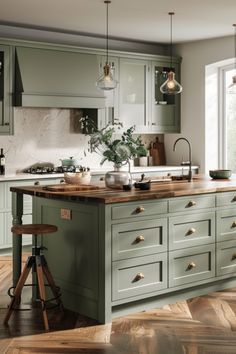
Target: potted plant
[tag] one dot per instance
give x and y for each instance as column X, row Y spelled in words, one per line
column 117, row 149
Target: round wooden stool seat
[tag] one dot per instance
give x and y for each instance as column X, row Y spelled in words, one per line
column 33, row 229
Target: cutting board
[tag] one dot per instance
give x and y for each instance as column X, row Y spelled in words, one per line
column 157, row 151
column 70, row 187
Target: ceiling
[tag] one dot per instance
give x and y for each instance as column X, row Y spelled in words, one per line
column 142, row 20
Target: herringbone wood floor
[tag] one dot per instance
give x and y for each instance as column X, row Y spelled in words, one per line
column 204, row 325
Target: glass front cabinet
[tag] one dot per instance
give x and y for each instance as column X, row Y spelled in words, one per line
column 165, row 115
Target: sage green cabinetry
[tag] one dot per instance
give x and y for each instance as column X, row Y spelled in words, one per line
column 6, row 206
column 6, row 68
column 165, row 116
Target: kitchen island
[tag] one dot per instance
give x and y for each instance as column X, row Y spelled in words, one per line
column 117, row 252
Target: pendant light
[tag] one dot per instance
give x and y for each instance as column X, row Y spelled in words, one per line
column 106, row 81
column 232, row 87
column 171, row 86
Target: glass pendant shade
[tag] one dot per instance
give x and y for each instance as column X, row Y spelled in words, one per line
column 171, row 86
column 106, row 81
column 232, row 87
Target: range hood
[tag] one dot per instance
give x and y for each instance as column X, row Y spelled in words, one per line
column 56, row 78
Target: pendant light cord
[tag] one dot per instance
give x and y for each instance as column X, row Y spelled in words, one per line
column 107, row 2
column 171, row 42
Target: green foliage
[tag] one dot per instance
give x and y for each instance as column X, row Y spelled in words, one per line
column 119, row 151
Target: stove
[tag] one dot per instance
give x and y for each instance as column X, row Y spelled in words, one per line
column 44, row 170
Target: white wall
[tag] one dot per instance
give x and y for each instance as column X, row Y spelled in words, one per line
column 196, row 55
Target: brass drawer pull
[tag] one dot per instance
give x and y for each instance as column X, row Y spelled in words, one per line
column 62, row 181
column 234, row 199
column 140, row 239
column 191, row 265
column 139, row 276
column 191, row 231
column 233, row 224
column 233, row 257
column 191, row 203
column 37, row 183
column 139, row 209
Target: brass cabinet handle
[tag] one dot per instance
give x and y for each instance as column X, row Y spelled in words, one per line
column 62, row 180
column 191, row 231
column 140, row 209
column 139, row 276
column 191, row 203
column 233, row 257
column 139, row 238
column 191, row 265
column 234, row 199
column 37, row 183
column 233, row 224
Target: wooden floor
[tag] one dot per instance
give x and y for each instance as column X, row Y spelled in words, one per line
column 204, row 325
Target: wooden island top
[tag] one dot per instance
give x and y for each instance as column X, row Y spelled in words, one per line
column 200, row 185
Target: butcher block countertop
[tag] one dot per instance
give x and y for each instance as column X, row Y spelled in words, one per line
column 200, row 185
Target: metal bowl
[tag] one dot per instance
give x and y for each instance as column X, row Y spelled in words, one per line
column 220, row 174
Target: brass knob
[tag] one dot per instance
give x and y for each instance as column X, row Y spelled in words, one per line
column 233, row 224
column 233, row 257
column 191, row 231
column 139, row 238
column 140, row 209
column 62, row 180
column 191, row 265
column 139, row 276
column 234, row 199
column 191, row 203
column 36, row 183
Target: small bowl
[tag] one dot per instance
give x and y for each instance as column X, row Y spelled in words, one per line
column 143, row 185
column 220, row 174
column 77, row 177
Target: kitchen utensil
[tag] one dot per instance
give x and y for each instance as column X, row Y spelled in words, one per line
column 220, row 174
column 69, row 187
column 69, row 161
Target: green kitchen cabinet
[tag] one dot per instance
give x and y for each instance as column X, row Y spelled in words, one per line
column 165, row 110
column 6, row 86
column 134, row 93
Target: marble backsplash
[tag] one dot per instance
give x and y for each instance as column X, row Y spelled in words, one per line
column 43, row 135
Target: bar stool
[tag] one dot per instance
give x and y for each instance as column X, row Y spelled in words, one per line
column 38, row 264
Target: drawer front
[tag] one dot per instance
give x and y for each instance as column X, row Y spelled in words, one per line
column 226, row 258
column 191, row 230
column 191, row 203
column 140, row 238
column 226, row 225
column 2, row 196
column 191, row 265
column 139, row 276
column 226, row 199
column 138, row 210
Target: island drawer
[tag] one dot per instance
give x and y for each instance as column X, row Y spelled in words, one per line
column 226, row 199
column 139, row 238
column 192, row 230
column 191, row 265
column 226, row 258
column 139, row 276
column 191, row 203
column 137, row 210
column 226, row 225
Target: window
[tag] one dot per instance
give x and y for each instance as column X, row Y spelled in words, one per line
column 227, row 120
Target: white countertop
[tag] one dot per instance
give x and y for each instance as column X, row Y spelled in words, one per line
column 98, row 171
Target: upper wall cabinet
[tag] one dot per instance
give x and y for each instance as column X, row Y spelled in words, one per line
column 6, row 116
column 56, row 78
column 165, row 116
column 134, row 93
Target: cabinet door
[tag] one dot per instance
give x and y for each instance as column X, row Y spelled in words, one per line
column 6, row 122
column 165, row 108
column 134, row 93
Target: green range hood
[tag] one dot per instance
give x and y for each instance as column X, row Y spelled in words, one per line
column 56, row 78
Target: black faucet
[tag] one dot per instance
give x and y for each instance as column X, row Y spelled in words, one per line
column 190, row 157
